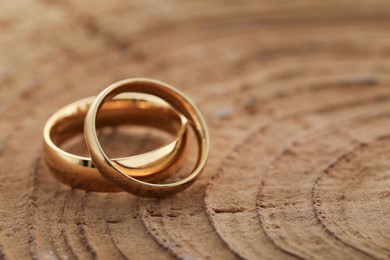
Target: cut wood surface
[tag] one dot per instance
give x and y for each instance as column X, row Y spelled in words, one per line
column 297, row 98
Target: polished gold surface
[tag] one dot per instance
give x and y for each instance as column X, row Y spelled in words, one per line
column 127, row 109
column 121, row 176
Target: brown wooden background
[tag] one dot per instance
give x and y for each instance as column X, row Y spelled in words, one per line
column 297, row 97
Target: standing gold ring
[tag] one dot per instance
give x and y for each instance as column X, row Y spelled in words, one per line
column 114, row 171
column 128, row 108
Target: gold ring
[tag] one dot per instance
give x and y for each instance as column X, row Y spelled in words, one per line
column 112, row 170
column 128, row 108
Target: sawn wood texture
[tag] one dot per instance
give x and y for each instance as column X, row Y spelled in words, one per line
column 297, row 98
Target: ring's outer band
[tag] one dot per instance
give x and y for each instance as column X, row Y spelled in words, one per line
column 130, row 108
column 112, row 171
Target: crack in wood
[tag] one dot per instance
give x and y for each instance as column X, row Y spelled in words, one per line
column 31, row 205
column 63, row 232
column 230, row 210
column 80, row 223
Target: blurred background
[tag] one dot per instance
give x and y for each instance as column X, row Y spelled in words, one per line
column 296, row 95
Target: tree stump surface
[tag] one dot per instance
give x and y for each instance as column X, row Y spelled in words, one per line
column 297, row 98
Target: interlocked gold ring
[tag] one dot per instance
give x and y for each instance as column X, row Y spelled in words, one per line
column 114, row 171
column 128, row 108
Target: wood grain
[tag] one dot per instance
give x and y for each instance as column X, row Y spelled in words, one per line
column 297, row 98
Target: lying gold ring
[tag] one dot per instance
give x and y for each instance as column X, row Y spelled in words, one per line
column 112, row 170
column 130, row 108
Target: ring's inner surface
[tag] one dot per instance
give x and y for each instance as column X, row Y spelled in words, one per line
column 131, row 120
